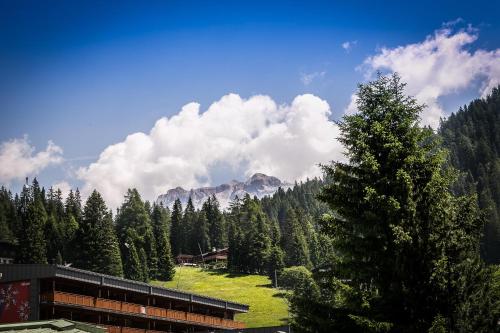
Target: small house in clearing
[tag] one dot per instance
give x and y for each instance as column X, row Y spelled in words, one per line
column 211, row 257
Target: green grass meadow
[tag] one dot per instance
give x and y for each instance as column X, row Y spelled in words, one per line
column 267, row 305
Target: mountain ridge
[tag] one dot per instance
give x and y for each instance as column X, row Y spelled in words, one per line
column 259, row 185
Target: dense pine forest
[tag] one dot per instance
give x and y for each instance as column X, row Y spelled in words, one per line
column 472, row 136
column 140, row 241
column 393, row 237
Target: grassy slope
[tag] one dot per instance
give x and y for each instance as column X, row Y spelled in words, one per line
column 267, row 308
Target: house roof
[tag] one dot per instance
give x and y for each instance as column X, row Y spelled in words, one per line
column 51, row 326
column 17, row 272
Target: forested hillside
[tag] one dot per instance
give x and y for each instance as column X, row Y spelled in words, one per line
column 473, row 137
column 142, row 239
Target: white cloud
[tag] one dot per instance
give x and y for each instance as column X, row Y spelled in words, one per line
column 308, row 78
column 17, row 159
column 440, row 65
column 347, row 46
column 253, row 135
column 64, row 186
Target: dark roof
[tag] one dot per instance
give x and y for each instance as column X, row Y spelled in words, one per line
column 16, row 272
column 215, row 252
column 51, row 326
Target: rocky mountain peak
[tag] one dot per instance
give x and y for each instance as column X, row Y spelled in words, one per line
column 258, row 185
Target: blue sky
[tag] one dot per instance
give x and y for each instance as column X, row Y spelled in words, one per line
column 85, row 74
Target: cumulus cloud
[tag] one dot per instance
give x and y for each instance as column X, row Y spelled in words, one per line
column 64, row 186
column 347, row 46
column 308, row 78
column 253, row 135
column 18, row 159
column 440, row 65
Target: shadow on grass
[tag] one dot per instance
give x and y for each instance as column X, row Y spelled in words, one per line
column 282, row 294
column 284, row 321
column 225, row 273
column 267, row 285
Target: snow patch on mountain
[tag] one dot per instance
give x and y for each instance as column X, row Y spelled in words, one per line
column 259, row 185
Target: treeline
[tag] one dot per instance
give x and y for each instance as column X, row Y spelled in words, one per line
column 263, row 235
column 45, row 229
column 279, row 231
column 142, row 239
column 472, row 136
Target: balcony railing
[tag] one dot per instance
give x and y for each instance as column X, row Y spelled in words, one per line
column 123, row 329
column 161, row 313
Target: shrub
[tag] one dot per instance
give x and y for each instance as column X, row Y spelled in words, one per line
column 293, row 277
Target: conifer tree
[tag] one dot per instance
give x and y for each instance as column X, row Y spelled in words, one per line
column 187, row 225
column 133, row 223
column 71, row 221
column 176, row 228
column 159, row 218
column 276, row 260
column 293, row 241
column 96, row 243
column 406, row 244
column 234, row 235
column 151, row 253
column 132, row 267
column 199, row 234
column 32, row 246
column 5, row 234
column 54, row 225
column 143, row 261
column 53, row 238
column 259, row 245
column 216, row 224
column 8, row 217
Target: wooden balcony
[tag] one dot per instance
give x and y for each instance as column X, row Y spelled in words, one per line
column 120, row 329
column 131, row 308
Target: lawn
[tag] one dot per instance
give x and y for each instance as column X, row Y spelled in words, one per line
column 267, row 306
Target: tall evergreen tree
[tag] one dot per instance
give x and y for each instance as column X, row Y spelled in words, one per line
column 8, row 217
column 32, row 247
column 96, row 244
column 160, row 221
column 294, row 241
column 71, row 221
column 405, row 242
column 133, row 223
column 54, row 225
column 188, row 223
column 176, row 235
column 199, row 239
column 249, row 239
column 216, row 224
column 132, row 267
column 259, row 245
column 234, row 235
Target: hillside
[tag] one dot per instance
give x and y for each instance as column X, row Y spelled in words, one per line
column 267, row 307
column 473, row 137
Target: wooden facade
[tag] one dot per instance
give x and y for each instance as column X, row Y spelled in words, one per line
column 205, row 258
column 122, row 306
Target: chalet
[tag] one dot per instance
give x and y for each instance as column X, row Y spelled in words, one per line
column 211, row 257
column 184, row 259
column 46, row 292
